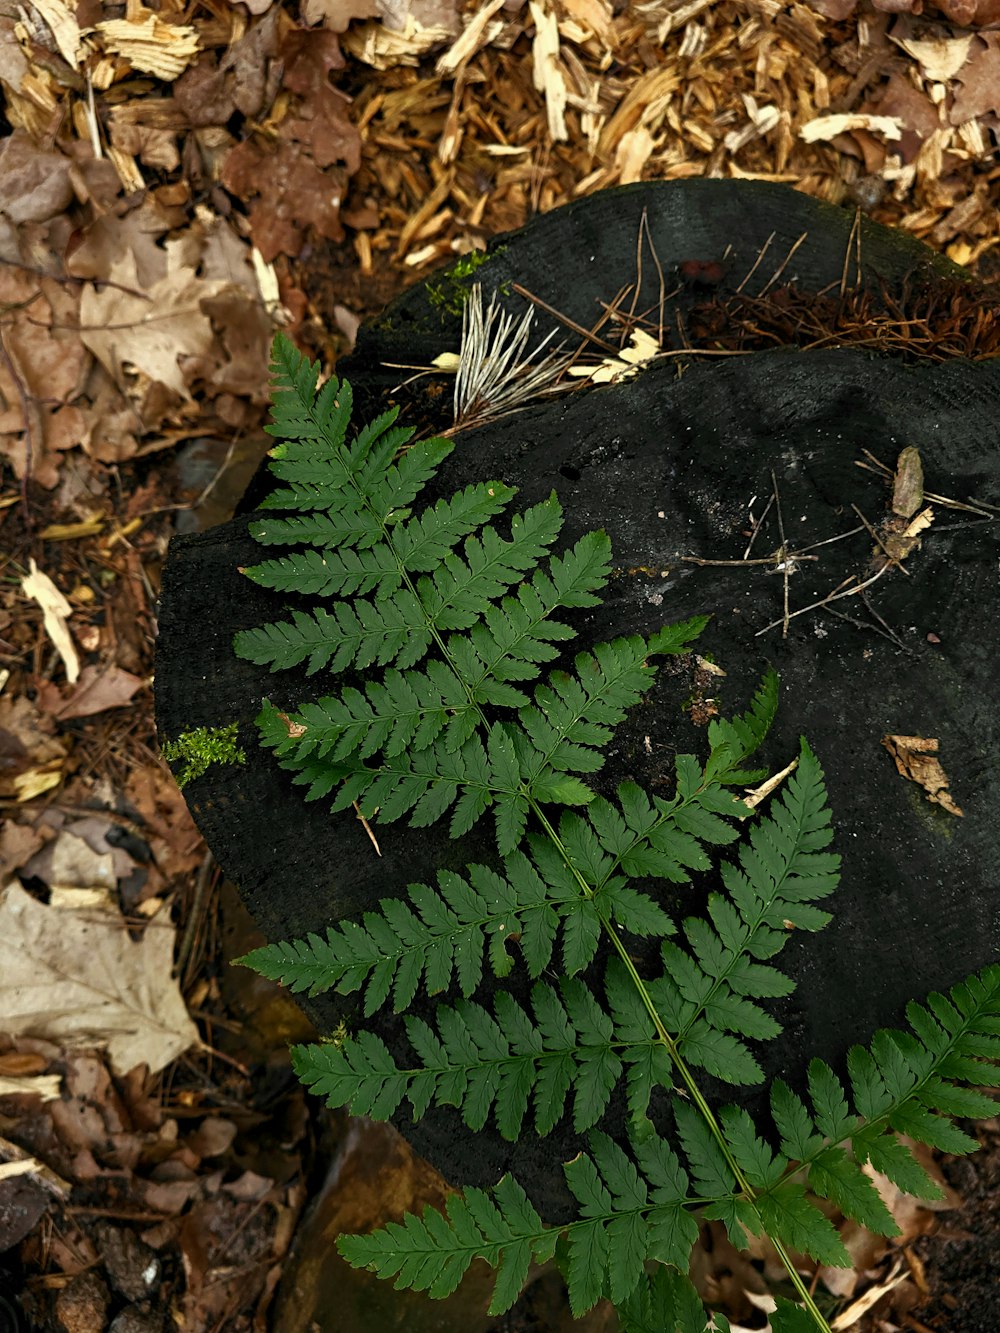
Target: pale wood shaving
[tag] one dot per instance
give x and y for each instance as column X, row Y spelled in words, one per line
column 65, row 29
column 548, row 76
column 479, row 32
column 147, row 43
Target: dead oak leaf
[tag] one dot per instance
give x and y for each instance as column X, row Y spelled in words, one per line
column 79, row 979
column 299, row 180
column 914, row 757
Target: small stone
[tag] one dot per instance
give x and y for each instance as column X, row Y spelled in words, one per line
column 134, row 1268
column 82, row 1305
column 137, row 1319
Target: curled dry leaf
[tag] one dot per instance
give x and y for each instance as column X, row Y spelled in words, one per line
column 56, row 610
column 980, row 80
column 908, row 483
column 914, row 757
column 828, row 127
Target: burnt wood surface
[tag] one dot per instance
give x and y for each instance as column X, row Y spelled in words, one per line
column 671, row 468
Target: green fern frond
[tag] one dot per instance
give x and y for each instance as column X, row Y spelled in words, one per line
column 704, row 994
column 528, row 903
column 465, row 705
column 433, row 1253
column 666, row 1302
column 484, row 1063
column 455, row 591
column 909, row 1083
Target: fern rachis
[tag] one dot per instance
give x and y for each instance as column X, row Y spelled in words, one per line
column 460, row 701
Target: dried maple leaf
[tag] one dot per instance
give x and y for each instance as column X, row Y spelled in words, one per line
column 78, row 978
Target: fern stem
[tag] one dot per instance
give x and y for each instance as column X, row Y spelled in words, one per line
column 683, row 1070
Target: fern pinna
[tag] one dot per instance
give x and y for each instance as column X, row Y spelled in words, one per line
column 460, row 710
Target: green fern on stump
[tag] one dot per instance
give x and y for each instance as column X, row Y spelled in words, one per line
column 457, row 627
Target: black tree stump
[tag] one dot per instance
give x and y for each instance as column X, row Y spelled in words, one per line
column 674, row 468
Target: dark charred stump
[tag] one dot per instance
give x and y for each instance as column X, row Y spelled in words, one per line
column 671, row 468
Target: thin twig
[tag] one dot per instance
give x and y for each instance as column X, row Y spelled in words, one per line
column 638, row 266
column 563, row 319
column 73, row 278
column 784, row 548
column 756, row 262
column 874, row 629
column 758, row 525
column 889, row 631
column 775, row 558
column 659, row 274
column 195, row 913
column 782, row 266
column 855, row 227
column 827, row 540
column 367, row 827
column 835, row 596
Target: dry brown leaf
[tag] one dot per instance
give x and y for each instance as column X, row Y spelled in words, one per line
column 77, row 978
column 939, row 55
column 55, row 612
column 908, row 483
column 299, row 179
column 151, row 325
column 45, row 370
column 914, row 757
column 69, row 860
column 96, row 690
column 245, row 80
column 170, row 830
column 18, row 844
column 336, row 14
column 980, row 80
column 34, row 181
column 28, row 748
